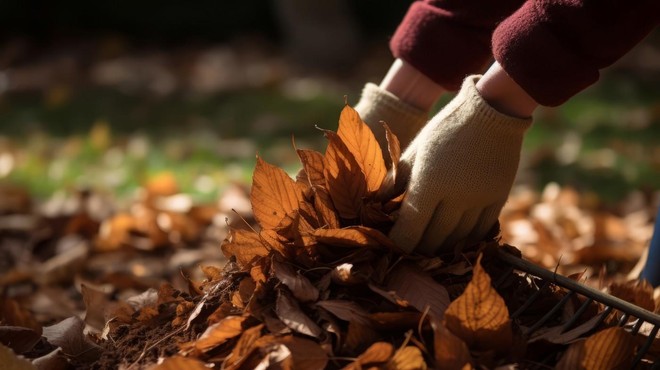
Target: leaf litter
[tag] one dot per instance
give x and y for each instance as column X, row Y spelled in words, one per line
column 309, row 279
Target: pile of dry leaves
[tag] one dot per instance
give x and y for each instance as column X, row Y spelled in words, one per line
column 311, row 282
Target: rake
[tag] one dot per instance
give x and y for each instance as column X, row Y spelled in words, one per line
column 629, row 311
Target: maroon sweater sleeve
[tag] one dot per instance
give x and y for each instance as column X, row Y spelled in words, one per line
column 449, row 39
column 554, row 49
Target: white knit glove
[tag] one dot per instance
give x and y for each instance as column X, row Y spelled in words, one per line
column 458, row 172
column 404, row 120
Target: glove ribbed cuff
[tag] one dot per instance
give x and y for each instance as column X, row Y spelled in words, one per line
column 377, row 105
column 490, row 119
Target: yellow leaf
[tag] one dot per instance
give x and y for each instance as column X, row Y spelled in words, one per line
column 360, row 141
column 378, row 353
column 407, row 358
column 353, row 236
column 217, row 334
column 479, row 315
column 312, row 162
column 612, row 348
column 345, row 180
column 244, row 245
column 450, row 351
column 274, row 194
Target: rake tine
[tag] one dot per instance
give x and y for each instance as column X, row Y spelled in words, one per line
column 642, row 351
column 577, row 314
column 548, row 315
column 530, row 300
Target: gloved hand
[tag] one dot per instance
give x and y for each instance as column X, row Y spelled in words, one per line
column 458, row 173
column 377, row 104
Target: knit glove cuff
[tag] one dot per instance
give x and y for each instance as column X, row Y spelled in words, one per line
column 377, row 105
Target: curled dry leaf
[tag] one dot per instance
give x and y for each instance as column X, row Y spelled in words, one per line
column 418, row 289
column 243, row 348
column 344, row 178
column 288, row 310
column 361, row 142
column 274, row 194
column 300, row 286
column 345, row 310
column 479, row 316
column 393, row 147
column 217, row 334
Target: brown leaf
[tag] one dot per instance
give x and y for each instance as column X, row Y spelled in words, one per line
column 345, row 310
column 217, row 334
column 572, row 357
column 96, row 301
column 376, row 354
column 359, row 336
column 273, row 241
column 324, row 209
column 68, row 334
column 12, row 314
column 361, row 142
column 179, row 362
column 450, row 351
column 353, row 236
column 558, row 336
column 637, row 292
column 393, row 321
column 479, row 316
column 10, row 361
column 300, row 286
column 312, row 162
column 393, row 147
column 305, row 353
column 612, row 348
column 407, row 358
column 288, row 310
column 245, row 245
column 418, row 289
column 19, row 339
column 274, row 194
column 345, row 180
column 243, row 348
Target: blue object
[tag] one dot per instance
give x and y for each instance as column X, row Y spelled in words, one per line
column 651, row 271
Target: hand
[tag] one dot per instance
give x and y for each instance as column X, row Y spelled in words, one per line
column 458, row 173
column 402, row 100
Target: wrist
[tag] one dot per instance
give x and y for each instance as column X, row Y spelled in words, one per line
column 411, row 86
column 499, row 90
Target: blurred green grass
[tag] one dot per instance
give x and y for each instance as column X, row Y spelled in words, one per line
column 605, row 140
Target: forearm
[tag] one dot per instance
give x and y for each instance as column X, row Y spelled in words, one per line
column 503, row 94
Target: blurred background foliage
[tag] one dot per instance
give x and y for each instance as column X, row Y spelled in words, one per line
column 105, row 94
